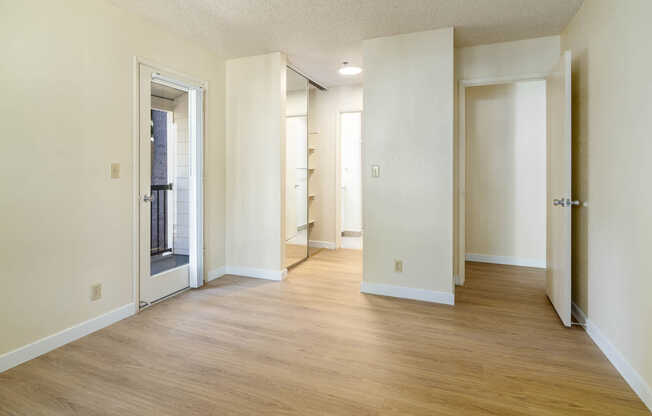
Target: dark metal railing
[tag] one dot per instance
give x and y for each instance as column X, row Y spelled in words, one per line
column 159, row 210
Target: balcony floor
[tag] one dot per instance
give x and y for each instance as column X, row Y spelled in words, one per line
column 162, row 263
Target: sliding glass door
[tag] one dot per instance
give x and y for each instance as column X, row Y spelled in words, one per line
column 297, row 223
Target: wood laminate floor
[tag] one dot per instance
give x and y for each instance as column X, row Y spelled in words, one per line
column 313, row 345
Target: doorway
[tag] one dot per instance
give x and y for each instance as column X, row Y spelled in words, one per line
column 323, row 127
column 170, row 237
column 298, row 171
column 505, row 185
column 507, row 193
column 351, row 179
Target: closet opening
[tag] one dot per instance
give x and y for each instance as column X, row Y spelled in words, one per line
column 323, row 172
column 297, row 170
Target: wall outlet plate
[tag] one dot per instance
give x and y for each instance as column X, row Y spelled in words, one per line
column 398, row 266
column 96, row 292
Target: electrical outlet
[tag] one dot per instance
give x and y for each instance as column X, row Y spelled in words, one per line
column 115, row 170
column 398, row 266
column 96, row 291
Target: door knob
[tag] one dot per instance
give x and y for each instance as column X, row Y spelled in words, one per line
column 565, row 202
column 147, row 198
column 570, row 202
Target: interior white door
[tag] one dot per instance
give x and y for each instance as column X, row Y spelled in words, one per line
column 163, row 284
column 559, row 201
column 351, row 142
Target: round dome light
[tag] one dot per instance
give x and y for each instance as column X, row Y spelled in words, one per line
column 346, row 69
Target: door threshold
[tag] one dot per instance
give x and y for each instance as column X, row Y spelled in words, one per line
column 145, row 305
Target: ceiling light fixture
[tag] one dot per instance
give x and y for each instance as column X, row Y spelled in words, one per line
column 345, row 69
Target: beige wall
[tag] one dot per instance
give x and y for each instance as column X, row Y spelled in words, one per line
column 505, row 59
column 408, row 131
column 506, row 172
column 325, row 107
column 612, row 121
column 66, row 77
column 255, row 149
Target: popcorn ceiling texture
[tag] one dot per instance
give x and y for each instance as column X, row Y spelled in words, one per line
column 318, row 34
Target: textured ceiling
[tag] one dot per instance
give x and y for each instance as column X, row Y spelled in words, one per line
column 318, row 35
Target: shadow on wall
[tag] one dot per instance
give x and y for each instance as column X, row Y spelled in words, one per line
column 580, row 190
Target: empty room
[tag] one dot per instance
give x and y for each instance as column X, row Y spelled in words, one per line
column 219, row 207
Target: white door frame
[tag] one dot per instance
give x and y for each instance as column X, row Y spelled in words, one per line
column 461, row 157
column 197, row 100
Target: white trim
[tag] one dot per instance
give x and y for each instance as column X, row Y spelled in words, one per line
column 631, row 376
column 216, row 274
column 322, row 244
column 475, row 82
column 510, row 261
column 49, row 343
column 407, row 293
column 135, row 182
column 196, row 182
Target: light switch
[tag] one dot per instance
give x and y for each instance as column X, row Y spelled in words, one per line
column 115, row 170
column 375, row 171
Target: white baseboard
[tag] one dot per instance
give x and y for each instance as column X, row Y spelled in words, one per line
column 247, row 272
column 631, row 376
column 510, row 261
column 49, row 343
column 322, row 244
column 215, row 274
column 407, row 293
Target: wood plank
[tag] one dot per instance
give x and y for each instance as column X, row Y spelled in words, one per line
column 314, row 345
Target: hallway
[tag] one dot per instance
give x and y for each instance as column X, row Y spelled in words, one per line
column 314, row 345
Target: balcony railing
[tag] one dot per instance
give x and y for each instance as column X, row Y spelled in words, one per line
column 159, row 210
